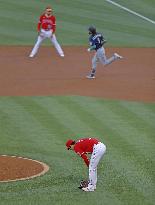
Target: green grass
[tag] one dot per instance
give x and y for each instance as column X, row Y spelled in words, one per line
column 143, row 7
column 38, row 127
column 19, row 22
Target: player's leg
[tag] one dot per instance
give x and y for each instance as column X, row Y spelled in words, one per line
column 104, row 60
column 94, row 65
column 98, row 152
column 36, row 46
column 102, row 57
column 57, row 45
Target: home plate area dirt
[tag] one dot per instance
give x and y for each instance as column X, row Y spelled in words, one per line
column 47, row 74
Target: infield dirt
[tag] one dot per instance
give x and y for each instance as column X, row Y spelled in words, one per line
column 132, row 78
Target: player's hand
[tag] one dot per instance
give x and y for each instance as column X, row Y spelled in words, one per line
column 88, row 49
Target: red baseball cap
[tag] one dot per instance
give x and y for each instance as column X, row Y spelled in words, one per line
column 69, row 143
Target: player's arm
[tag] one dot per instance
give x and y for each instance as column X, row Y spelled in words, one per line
column 92, row 47
column 82, row 155
column 54, row 24
column 85, row 158
column 103, row 41
column 39, row 24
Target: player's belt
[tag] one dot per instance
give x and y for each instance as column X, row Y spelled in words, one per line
column 97, row 143
column 47, row 29
column 99, row 47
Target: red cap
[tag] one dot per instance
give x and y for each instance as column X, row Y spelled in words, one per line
column 69, row 143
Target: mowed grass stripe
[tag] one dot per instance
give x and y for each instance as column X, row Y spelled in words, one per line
column 82, row 20
column 110, row 22
column 32, row 129
column 135, row 119
column 19, row 21
column 115, row 181
column 48, row 122
column 47, row 195
column 65, row 117
column 113, row 26
column 144, row 7
column 11, row 133
column 142, row 111
column 115, row 122
column 136, row 176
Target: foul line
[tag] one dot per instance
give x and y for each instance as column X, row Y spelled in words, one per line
column 130, row 11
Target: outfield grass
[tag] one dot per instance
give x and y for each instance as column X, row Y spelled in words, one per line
column 19, row 21
column 38, row 127
column 143, row 7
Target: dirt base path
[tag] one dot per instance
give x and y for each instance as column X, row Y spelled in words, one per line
column 132, row 78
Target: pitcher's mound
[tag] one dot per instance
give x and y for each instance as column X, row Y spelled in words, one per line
column 13, row 168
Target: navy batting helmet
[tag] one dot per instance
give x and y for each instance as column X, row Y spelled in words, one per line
column 92, row 30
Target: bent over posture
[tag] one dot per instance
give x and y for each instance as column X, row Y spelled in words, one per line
column 97, row 41
column 86, row 146
column 46, row 29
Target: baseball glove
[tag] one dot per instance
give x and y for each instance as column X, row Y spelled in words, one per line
column 83, row 184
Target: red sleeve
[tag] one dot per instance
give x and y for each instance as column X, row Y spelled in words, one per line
column 85, row 158
column 54, row 24
column 81, row 153
column 39, row 24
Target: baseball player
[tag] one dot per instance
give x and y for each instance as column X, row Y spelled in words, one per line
column 46, row 29
column 86, row 146
column 97, row 41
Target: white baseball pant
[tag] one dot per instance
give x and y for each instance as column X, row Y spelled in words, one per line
column 43, row 35
column 98, row 152
column 100, row 56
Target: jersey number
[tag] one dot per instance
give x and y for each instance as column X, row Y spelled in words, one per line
column 99, row 40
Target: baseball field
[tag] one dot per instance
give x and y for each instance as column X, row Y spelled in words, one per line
column 47, row 100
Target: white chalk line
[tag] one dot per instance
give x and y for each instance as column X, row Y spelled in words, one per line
column 130, row 11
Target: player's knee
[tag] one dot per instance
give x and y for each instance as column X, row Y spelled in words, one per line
column 104, row 61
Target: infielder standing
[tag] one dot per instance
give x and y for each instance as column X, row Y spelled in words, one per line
column 46, row 29
column 86, row 146
column 97, row 41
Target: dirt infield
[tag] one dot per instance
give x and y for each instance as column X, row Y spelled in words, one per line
column 132, row 78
